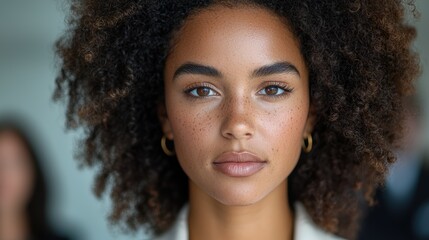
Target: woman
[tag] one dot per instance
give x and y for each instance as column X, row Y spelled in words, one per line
column 233, row 89
column 23, row 192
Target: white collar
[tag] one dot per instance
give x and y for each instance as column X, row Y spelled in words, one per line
column 304, row 229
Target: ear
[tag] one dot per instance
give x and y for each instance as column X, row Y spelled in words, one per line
column 165, row 122
column 311, row 121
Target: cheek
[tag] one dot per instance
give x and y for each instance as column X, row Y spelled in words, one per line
column 193, row 131
column 288, row 127
column 283, row 133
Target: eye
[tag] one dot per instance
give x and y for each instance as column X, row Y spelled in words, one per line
column 272, row 90
column 201, row 92
column 275, row 90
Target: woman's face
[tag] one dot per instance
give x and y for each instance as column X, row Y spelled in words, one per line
column 236, row 102
column 16, row 173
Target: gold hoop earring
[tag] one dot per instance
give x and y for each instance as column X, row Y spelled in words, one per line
column 167, row 151
column 309, row 146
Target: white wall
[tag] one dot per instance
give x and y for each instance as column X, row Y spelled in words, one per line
column 27, row 72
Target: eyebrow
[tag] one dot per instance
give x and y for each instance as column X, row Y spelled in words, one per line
column 194, row 68
column 275, row 68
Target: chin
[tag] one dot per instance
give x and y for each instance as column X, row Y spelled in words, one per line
column 239, row 196
column 234, row 191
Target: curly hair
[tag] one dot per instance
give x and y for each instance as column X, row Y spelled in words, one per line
column 360, row 64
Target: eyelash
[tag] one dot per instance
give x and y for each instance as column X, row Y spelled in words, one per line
column 287, row 90
column 195, row 86
column 280, row 85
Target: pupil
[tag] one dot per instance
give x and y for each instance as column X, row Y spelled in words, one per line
column 271, row 90
column 203, row 91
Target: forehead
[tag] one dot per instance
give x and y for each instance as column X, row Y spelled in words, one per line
column 231, row 34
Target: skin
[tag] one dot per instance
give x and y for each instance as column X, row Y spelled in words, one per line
column 236, row 111
column 16, row 175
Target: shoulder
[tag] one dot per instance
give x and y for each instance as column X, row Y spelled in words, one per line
column 306, row 229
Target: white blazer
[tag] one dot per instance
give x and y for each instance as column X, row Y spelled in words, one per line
column 304, row 228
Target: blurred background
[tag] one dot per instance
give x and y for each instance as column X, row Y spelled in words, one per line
column 28, row 30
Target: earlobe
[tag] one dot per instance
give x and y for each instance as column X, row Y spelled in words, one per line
column 307, row 142
column 164, row 121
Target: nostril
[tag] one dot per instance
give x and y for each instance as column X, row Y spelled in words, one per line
column 238, row 132
column 237, row 124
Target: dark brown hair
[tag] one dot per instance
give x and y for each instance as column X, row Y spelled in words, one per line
column 361, row 67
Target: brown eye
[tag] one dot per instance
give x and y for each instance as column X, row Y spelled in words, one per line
column 271, row 90
column 201, row 92
column 275, row 90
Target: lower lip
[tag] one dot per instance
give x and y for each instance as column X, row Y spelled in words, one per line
column 239, row 169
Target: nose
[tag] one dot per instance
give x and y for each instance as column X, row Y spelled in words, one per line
column 238, row 120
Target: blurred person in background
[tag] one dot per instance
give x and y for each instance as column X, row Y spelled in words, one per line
column 23, row 190
column 402, row 205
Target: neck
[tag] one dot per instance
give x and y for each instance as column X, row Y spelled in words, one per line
column 270, row 218
column 13, row 225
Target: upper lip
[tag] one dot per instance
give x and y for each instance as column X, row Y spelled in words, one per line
column 237, row 157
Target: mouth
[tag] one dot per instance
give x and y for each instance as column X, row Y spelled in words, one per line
column 238, row 164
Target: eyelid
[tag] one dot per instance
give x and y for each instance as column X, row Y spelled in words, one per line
column 193, row 86
column 284, row 86
column 275, row 83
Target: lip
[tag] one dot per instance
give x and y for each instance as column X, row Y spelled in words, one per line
column 238, row 164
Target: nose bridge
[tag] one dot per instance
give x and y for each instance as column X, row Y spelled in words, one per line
column 237, row 117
